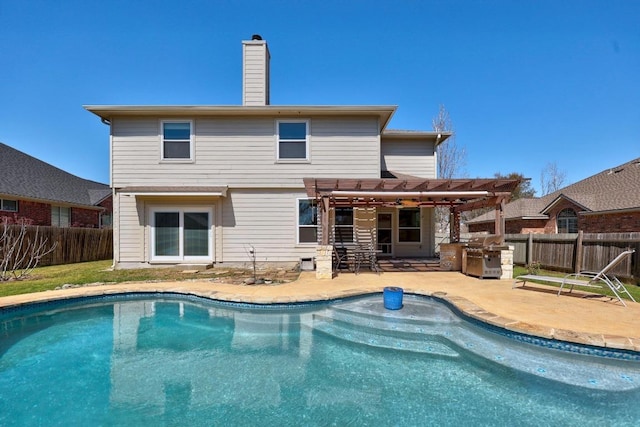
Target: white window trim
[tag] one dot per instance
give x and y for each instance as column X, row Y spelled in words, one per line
column 297, row 224
column 307, row 158
column 191, row 158
column 180, row 257
column 398, row 228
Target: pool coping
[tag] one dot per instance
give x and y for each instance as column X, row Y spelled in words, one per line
column 465, row 306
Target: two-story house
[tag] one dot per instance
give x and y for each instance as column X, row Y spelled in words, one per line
column 229, row 184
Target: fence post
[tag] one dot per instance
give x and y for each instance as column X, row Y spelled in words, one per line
column 530, row 249
column 578, row 252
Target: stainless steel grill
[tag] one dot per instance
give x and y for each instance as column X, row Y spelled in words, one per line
column 483, row 256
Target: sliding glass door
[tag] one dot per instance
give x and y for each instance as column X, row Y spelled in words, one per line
column 181, row 234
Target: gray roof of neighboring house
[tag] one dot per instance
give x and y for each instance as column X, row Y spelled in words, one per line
column 613, row 189
column 26, row 177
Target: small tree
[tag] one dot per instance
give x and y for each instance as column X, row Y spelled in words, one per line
column 19, row 254
column 551, row 179
column 524, row 190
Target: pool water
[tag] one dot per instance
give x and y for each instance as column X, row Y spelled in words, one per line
column 154, row 360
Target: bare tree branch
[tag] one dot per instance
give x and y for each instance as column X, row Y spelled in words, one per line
column 19, row 254
column 551, row 178
column 451, row 161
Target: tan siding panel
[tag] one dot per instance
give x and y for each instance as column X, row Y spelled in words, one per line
column 414, row 158
column 265, row 220
column 242, row 152
column 131, row 230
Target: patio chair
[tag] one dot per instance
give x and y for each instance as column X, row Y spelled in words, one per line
column 366, row 251
column 588, row 278
column 341, row 259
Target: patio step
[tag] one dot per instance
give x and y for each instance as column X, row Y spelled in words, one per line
column 416, row 310
column 380, row 338
column 420, row 326
column 428, row 327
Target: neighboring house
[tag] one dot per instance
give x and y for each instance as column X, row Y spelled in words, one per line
column 608, row 202
column 36, row 193
column 233, row 184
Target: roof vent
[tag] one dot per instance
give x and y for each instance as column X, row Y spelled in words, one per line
column 256, row 37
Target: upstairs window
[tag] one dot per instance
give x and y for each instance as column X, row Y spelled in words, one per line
column 8, row 205
column 293, row 140
column 177, row 141
column 567, row 221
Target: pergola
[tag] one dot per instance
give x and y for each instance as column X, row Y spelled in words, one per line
column 458, row 194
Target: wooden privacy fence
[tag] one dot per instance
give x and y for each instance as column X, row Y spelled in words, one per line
column 73, row 244
column 577, row 252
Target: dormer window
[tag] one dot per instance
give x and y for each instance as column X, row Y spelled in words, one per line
column 177, row 140
column 293, row 140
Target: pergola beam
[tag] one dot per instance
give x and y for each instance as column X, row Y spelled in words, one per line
column 458, row 194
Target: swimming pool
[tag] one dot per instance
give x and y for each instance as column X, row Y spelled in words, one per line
column 168, row 360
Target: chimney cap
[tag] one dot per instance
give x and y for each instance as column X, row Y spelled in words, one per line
column 256, row 37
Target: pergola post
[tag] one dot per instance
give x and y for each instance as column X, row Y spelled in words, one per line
column 499, row 220
column 324, row 219
column 324, row 252
column 454, row 225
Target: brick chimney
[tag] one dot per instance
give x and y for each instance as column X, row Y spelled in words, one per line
column 255, row 72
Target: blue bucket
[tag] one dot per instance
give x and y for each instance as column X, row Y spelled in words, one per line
column 392, row 298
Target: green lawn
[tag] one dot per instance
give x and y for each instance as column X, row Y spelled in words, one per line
column 46, row 278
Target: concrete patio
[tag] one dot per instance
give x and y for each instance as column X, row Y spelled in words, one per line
column 535, row 309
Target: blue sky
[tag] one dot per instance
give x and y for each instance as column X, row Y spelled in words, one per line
column 525, row 82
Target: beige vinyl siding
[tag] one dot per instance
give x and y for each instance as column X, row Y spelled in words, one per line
column 416, row 158
column 130, row 228
column 241, row 152
column 266, row 220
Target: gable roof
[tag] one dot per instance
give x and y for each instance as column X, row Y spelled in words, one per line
column 26, row 177
column 613, row 189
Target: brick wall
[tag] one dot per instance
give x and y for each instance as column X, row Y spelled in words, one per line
column 107, row 204
column 513, row 226
column 33, row 213
column 626, row 222
column 85, row 218
column 36, row 213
